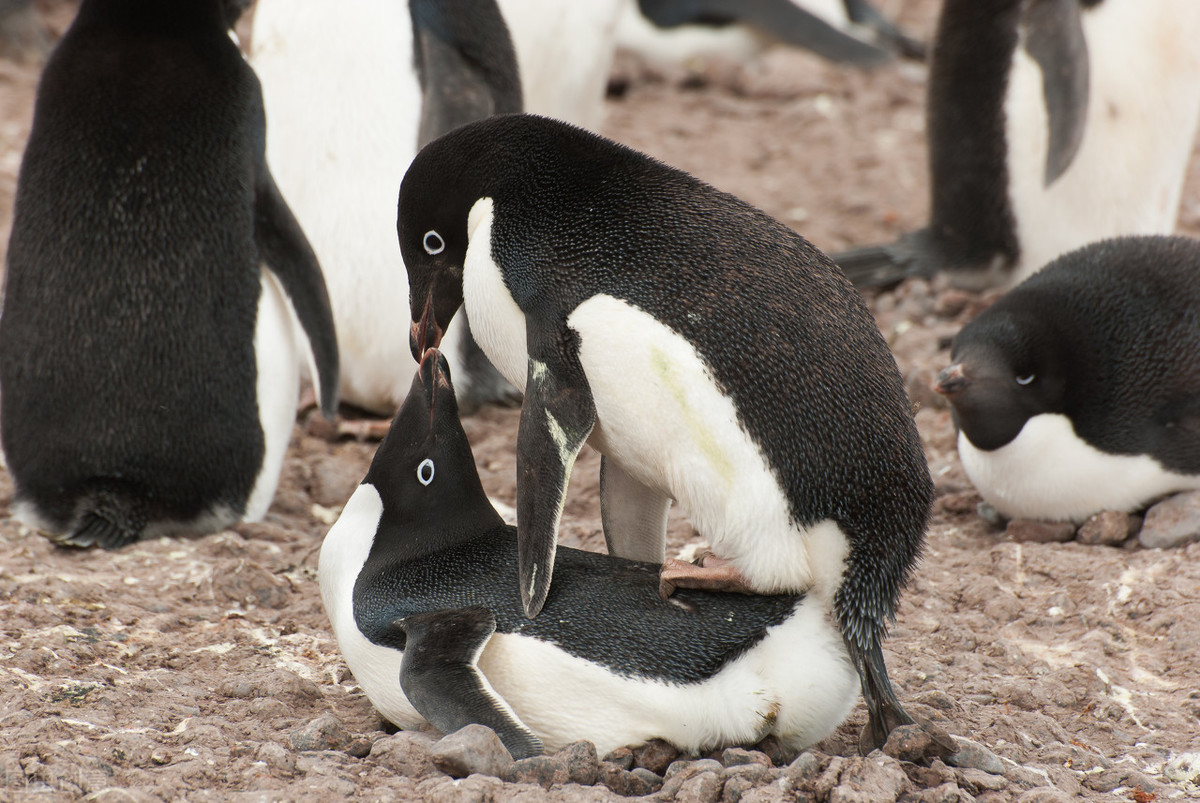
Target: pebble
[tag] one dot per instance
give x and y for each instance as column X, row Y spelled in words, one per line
column 703, row 788
column 733, row 756
column 469, row 750
column 682, row 771
column 626, row 783
column 1172, row 522
column 1039, row 532
column 655, row 755
column 1108, row 527
column 877, row 778
column 405, row 753
column 622, row 757
column 973, row 755
column 326, row 732
column 277, row 757
column 1045, row 794
column 583, row 767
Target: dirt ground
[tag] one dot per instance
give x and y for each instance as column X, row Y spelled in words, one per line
column 202, row 667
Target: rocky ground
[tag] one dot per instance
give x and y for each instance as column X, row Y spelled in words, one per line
column 205, row 668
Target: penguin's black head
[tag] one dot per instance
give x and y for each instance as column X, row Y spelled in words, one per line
column 1006, row 369
column 424, row 470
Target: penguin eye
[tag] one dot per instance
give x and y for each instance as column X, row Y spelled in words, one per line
column 1025, row 380
column 433, row 242
column 425, row 472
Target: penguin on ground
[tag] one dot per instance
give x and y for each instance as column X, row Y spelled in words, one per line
column 1051, row 124
column 148, row 362
column 845, row 31
column 419, row 575
column 1079, row 390
column 712, row 355
column 352, row 92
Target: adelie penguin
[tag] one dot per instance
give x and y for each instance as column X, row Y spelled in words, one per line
column 419, row 579
column 1079, row 390
column 352, row 91
column 148, row 360
column 712, row 355
column 1051, row 124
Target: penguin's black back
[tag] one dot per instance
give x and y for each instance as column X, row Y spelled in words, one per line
column 782, row 331
column 606, row 610
column 126, row 342
column 1121, row 321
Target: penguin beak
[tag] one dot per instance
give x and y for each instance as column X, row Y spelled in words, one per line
column 951, row 381
column 424, row 334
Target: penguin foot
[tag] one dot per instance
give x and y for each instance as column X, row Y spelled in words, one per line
column 709, row 573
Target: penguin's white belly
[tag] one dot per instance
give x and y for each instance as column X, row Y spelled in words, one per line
column 1144, row 103
column 343, row 105
column 796, row 683
column 1049, row 473
column 277, row 356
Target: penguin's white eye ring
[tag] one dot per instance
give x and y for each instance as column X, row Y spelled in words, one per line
column 1025, row 380
column 425, row 472
column 433, row 242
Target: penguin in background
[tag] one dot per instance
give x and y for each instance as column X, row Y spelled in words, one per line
column 352, row 93
column 713, row 356
column 419, row 579
column 1051, row 124
column 843, row 31
column 1079, row 390
column 149, row 365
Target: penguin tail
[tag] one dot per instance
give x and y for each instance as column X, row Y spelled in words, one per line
column 881, row 266
column 107, row 518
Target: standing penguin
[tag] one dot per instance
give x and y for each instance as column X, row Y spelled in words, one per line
column 1051, row 124
column 147, row 355
column 713, row 356
column 352, row 92
column 419, row 577
column 1079, row 391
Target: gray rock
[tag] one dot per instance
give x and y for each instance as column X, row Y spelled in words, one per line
column 626, row 783
column 405, row 753
column 277, row 757
column 1173, row 521
column 702, row 788
column 980, row 781
column 973, row 755
column 1108, row 527
column 469, row 750
column 655, row 755
column 908, row 743
column 878, row 778
column 1039, row 532
column 944, row 793
column 545, row 771
column 803, row 769
column 583, row 767
column 733, row 756
column 326, row 732
column 754, row 772
column 682, row 771
column 1045, row 794
column 773, row 793
column 735, row 788
column 622, row 757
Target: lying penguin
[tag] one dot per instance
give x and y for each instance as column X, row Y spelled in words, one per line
column 712, row 355
column 1051, row 124
column 1079, row 391
column 419, row 579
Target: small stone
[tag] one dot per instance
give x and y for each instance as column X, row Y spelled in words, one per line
column 583, row 767
column 405, row 753
column 546, row 771
column 1108, row 527
column 1045, row 794
column 981, row 781
column 469, row 750
column 359, row 747
column 1173, row 521
column 1040, row 532
column 774, row 793
column 908, row 743
column 703, row 788
column 803, row 769
column 755, row 772
column 682, row 771
column 875, row 778
column 974, row 755
column 326, row 732
column 733, row 756
column 945, row 793
column 626, row 783
column 622, row 757
column 655, row 755
column 828, row 779
column 734, row 789
column 276, row 757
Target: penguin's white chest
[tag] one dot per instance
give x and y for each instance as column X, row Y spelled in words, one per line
column 661, row 416
column 1049, row 473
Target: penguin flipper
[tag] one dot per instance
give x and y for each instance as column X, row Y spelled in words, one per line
column 467, row 66
column 440, row 677
column 885, row 266
column 634, row 515
column 284, row 248
column 781, row 19
column 556, row 419
column 1054, row 39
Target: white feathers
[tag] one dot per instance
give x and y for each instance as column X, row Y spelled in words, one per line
column 1048, row 472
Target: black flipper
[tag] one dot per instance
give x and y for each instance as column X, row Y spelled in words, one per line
column 108, row 518
column 781, row 19
column 882, row 266
column 1054, row 39
column 634, row 516
column 284, row 248
column 556, row 419
column 440, row 677
column 466, row 63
